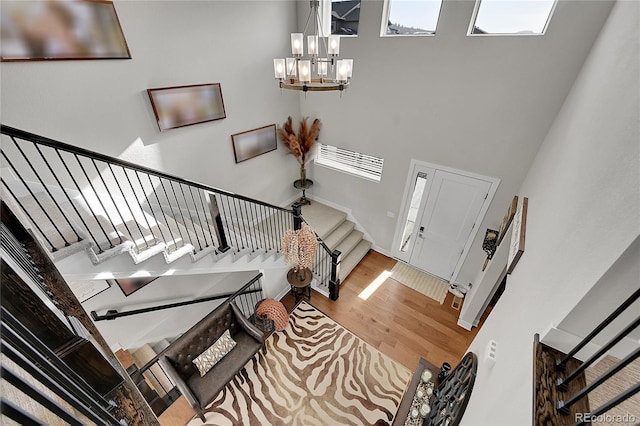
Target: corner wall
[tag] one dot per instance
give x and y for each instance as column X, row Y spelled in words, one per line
column 584, row 200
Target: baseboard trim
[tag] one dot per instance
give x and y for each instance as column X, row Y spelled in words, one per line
column 464, row 324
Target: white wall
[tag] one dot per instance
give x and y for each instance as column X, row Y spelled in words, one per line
column 480, row 104
column 133, row 331
column 103, row 105
column 606, row 296
column 583, row 214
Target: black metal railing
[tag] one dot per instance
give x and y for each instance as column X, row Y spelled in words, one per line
column 326, row 265
column 563, row 406
column 29, row 354
column 72, row 194
column 245, row 298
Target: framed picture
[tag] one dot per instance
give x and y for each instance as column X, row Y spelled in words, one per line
column 131, row 285
column 181, row 106
column 85, row 290
column 516, row 247
column 508, row 218
column 60, row 30
column 254, row 142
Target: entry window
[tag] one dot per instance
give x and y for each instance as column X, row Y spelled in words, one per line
column 511, row 17
column 416, row 199
column 410, row 17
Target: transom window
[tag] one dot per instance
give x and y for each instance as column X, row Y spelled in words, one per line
column 511, row 17
column 410, row 17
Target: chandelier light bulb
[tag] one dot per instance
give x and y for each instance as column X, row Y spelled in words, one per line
column 305, row 71
column 312, row 45
column 279, row 69
column 296, row 44
column 322, row 68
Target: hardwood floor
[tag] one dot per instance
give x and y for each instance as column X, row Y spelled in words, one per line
column 400, row 322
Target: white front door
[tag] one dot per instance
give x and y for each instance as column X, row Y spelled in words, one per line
column 441, row 210
column 449, row 215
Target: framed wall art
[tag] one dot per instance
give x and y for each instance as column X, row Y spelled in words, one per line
column 516, row 248
column 131, row 285
column 181, row 106
column 254, row 142
column 60, row 30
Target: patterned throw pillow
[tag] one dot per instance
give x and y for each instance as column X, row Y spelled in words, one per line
column 207, row 359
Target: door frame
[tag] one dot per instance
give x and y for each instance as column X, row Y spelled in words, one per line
column 406, row 200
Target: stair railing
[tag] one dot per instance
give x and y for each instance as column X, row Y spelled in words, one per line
column 326, row 266
column 72, row 194
column 575, row 397
column 245, row 299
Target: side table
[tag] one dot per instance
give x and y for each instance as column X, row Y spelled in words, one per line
column 407, row 400
column 304, row 185
column 300, row 288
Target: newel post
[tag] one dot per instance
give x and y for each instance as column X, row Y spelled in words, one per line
column 219, row 227
column 334, row 281
column 297, row 216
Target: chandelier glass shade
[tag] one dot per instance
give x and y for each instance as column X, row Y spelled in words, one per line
column 320, row 70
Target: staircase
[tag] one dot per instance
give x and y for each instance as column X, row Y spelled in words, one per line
column 338, row 233
column 79, row 200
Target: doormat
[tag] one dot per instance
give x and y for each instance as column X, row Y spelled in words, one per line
column 422, row 282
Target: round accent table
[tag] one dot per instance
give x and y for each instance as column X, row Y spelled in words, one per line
column 300, row 288
column 304, row 185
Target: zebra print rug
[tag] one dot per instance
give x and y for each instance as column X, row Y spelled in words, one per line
column 315, row 372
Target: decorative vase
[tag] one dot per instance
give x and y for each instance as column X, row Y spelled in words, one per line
column 301, row 274
column 303, row 173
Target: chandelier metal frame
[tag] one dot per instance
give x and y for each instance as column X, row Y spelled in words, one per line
column 319, row 72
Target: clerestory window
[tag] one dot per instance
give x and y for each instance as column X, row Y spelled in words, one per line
column 410, row 17
column 511, row 17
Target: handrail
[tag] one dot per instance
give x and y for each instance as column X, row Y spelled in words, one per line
column 113, row 314
column 52, row 143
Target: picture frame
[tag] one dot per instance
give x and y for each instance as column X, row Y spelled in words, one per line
column 131, row 285
column 61, row 30
column 508, row 218
column 516, row 248
column 85, row 290
column 254, row 142
column 181, row 106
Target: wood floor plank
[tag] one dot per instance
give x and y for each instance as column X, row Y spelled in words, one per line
column 400, row 322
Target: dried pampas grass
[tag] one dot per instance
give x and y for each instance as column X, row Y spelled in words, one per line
column 300, row 145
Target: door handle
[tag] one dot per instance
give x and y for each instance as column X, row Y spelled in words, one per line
column 420, row 232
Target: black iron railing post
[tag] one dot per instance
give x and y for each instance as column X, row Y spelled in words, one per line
column 218, row 228
column 334, row 281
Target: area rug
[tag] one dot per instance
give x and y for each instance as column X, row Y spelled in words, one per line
column 315, row 372
column 424, row 283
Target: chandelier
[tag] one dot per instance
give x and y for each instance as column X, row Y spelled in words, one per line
column 321, row 70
